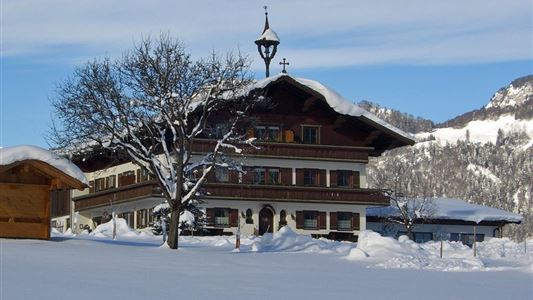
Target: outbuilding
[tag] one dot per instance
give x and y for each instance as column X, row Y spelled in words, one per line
column 451, row 219
column 28, row 177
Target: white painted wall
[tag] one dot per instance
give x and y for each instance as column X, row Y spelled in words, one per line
column 488, row 231
column 290, row 208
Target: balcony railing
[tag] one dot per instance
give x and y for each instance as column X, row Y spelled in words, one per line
column 296, row 150
column 249, row 192
column 295, row 194
column 122, row 194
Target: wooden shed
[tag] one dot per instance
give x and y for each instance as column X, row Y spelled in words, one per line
column 28, row 176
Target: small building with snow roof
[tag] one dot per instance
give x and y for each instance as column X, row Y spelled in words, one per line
column 450, row 219
column 29, row 176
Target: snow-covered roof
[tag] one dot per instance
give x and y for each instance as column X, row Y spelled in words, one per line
column 268, row 35
column 9, row 155
column 454, row 209
column 336, row 101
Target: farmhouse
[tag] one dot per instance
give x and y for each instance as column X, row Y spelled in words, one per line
column 309, row 171
column 452, row 219
column 29, row 177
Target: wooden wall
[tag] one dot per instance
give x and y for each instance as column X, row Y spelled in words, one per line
column 24, row 211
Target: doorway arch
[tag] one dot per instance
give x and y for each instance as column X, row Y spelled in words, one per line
column 266, row 221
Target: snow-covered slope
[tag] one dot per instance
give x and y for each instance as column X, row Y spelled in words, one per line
column 482, row 131
column 483, row 156
column 509, row 112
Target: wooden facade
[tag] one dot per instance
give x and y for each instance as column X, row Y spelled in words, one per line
column 25, row 197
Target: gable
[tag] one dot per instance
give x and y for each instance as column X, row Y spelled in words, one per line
column 37, row 173
column 294, row 103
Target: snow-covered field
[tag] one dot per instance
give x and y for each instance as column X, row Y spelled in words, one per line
column 280, row 266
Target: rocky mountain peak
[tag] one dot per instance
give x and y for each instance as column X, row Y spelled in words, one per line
column 517, row 93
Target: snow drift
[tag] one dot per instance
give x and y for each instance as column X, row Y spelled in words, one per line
column 387, row 252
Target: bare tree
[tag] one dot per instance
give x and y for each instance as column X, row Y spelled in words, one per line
column 410, row 210
column 153, row 104
column 410, row 191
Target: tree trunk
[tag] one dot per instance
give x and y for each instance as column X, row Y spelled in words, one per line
column 409, row 230
column 173, row 227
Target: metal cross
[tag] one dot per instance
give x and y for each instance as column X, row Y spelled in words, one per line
column 284, row 63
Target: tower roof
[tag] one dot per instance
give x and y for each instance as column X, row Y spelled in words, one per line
column 268, row 34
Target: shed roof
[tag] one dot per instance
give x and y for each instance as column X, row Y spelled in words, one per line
column 45, row 161
column 454, row 209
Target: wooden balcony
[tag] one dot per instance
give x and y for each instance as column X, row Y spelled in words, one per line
column 118, row 195
column 296, row 151
column 249, row 192
column 282, row 193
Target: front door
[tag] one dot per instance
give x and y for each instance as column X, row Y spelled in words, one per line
column 266, row 221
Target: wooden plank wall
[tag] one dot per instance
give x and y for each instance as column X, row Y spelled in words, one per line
column 24, row 211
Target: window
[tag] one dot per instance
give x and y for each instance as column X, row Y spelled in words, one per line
column 343, row 178
column 273, row 133
column 221, row 175
column 310, row 219
column 260, row 132
column 249, row 216
column 112, row 181
column 422, row 237
column 310, row 177
column 99, row 184
column 466, row 238
column 273, row 176
column 309, row 135
column 222, row 217
column 142, row 218
column 142, row 175
column 259, row 176
column 344, row 220
column 267, row 133
column 221, row 129
column 282, row 218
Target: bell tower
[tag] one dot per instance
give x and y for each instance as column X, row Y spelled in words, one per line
column 267, row 44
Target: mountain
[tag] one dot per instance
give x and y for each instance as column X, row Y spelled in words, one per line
column 484, row 156
column 403, row 121
column 508, row 113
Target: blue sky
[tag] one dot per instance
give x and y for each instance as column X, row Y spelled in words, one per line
column 434, row 59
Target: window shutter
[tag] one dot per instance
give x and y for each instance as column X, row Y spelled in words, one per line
column 322, row 220
column 299, row 219
column 333, row 220
column 356, row 180
column 138, row 179
column 210, row 213
column 300, row 177
column 211, row 177
column 250, row 133
column 333, row 178
column 321, row 177
column 247, row 178
column 234, row 218
column 91, row 186
column 355, row 221
column 120, row 183
column 286, row 176
column 233, row 176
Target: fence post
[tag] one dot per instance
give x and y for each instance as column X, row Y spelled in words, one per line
column 475, row 240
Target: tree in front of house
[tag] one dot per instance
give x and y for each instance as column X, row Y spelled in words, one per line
column 153, row 104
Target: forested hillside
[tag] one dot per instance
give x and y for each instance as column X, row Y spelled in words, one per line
column 490, row 163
